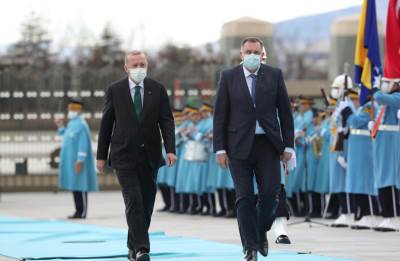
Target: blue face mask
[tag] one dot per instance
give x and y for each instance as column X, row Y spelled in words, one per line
column 251, row 61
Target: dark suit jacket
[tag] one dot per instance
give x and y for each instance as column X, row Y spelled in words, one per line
column 126, row 133
column 235, row 115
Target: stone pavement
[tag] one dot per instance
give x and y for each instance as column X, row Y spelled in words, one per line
column 106, row 208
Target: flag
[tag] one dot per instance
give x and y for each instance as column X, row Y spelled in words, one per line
column 368, row 68
column 392, row 58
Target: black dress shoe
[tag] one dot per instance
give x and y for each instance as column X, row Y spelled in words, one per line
column 131, row 255
column 230, row 214
column 332, row 216
column 283, row 239
column 142, row 256
column 315, row 215
column 263, row 244
column 76, row 215
column 250, row 255
column 174, row 210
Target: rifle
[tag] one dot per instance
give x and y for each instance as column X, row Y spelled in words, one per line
column 338, row 144
column 325, row 97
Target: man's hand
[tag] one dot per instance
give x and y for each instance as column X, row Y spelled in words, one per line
column 78, row 167
column 171, row 159
column 100, row 164
column 286, row 156
column 223, row 160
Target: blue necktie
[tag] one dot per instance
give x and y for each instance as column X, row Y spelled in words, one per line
column 253, row 87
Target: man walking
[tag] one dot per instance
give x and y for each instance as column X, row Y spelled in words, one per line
column 253, row 131
column 136, row 114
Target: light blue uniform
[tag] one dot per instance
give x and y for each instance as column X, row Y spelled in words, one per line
column 224, row 179
column 182, row 164
column 213, row 169
column 359, row 173
column 312, row 160
column 386, row 144
column 162, row 171
column 295, row 181
column 322, row 177
column 167, row 175
column 196, row 182
column 337, row 174
column 76, row 146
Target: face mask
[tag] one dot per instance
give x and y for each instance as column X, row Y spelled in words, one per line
column 72, row 114
column 138, row 74
column 335, row 93
column 386, row 86
column 251, row 61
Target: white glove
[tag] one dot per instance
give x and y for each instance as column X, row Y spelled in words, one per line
column 371, row 125
column 342, row 162
column 341, row 129
column 291, row 164
column 343, row 105
column 398, row 114
column 198, row 136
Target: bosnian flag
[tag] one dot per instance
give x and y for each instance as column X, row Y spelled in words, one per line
column 392, row 58
column 368, row 68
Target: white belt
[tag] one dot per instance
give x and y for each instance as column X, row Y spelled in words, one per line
column 360, row 132
column 389, row 127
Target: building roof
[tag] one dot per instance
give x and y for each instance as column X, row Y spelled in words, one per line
column 247, row 26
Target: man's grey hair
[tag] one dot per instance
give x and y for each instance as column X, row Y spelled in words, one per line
column 136, row 52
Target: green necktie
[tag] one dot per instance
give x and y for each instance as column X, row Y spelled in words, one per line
column 138, row 101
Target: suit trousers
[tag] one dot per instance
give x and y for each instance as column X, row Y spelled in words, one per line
column 139, row 192
column 81, row 202
column 255, row 215
column 282, row 209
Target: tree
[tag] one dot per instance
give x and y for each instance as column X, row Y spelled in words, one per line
column 109, row 50
column 34, row 46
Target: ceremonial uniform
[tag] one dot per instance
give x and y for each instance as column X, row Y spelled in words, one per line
column 296, row 179
column 386, row 164
column 76, row 147
column 321, row 184
column 359, row 172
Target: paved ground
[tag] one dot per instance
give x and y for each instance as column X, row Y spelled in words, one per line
column 106, row 208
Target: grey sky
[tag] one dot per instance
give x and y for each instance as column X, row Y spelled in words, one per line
column 151, row 22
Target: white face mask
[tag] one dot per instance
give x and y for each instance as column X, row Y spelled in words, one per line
column 72, row 114
column 386, row 86
column 138, row 74
column 335, row 93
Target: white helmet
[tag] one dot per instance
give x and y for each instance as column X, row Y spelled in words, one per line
column 339, row 82
column 386, row 85
column 338, row 85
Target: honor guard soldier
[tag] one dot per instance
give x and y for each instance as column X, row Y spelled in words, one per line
column 386, row 151
column 359, row 172
column 337, row 160
column 77, row 167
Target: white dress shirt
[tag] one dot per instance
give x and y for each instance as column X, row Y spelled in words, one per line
column 249, row 82
column 132, row 86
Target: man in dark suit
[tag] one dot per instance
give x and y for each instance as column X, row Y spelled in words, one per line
column 136, row 113
column 253, row 131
